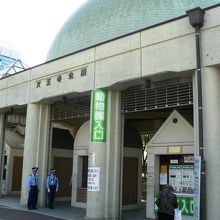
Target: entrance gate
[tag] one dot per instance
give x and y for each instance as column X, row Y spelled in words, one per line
column 72, row 113
column 140, row 101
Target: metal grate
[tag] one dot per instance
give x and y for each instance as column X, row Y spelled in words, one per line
column 16, row 117
column 141, row 99
column 72, row 108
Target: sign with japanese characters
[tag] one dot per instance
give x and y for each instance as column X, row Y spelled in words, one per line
column 186, row 204
column 91, row 160
column 181, row 178
column 99, row 115
column 93, row 179
column 197, row 183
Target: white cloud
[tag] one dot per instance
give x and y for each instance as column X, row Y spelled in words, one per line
column 29, row 27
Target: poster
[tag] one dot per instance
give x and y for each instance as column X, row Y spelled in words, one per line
column 91, row 161
column 163, row 178
column 163, row 174
column 181, row 178
column 175, row 177
column 187, row 179
column 93, row 179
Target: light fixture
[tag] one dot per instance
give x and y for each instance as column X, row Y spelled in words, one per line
column 196, row 17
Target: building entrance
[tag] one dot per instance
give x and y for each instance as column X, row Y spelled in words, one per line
column 13, row 151
column 67, row 116
column 162, row 116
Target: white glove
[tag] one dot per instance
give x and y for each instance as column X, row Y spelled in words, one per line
column 48, row 190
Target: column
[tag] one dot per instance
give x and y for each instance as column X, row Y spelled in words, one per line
column 195, row 115
column 115, row 157
column 211, row 116
column 2, row 147
column 153, row 182
column 36, row 148
column 106, row 203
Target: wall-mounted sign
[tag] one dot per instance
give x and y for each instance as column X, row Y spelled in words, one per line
column 163, row 174
column 93, row 179
column 181, row 178
column 163, row 178
column 189, row 159
column 174, row 150
column 99, row 115
column 163, row 169
column 61, row 77
column 174, row 161
column 197, row 185
column 91, row 161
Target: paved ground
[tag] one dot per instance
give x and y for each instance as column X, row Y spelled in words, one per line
column 14, row 214
column 62, row 210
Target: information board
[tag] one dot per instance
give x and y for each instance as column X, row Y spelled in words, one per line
column 181, row 178
column 93, row 179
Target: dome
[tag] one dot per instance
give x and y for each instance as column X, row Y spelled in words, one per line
column 102, row 20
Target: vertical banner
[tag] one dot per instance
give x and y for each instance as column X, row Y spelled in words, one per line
column 197, row 186
column 99, row 115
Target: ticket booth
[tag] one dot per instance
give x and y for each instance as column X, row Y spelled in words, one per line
column 170, row 161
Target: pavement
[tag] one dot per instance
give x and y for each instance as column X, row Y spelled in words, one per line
column 15, row 214
column 63, row 210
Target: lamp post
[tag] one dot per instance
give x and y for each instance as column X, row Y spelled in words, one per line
column 196, row 18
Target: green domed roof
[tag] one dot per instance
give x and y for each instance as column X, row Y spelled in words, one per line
column 101, row 20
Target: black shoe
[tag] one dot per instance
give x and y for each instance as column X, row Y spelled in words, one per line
column 29, row 208
column 34, row 208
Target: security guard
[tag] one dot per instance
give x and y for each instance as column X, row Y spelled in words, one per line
column 52, row 185
column 33, row 188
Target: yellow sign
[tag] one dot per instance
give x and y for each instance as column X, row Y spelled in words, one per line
column 163, row 168
column 174, row 150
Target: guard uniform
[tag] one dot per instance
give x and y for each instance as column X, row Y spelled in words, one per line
column 52, row 185
column 33, row 188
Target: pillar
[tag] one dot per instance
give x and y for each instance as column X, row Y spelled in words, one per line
column 2, row 147
column 106, row 203
column 195, row 115
column 153, row 182
column 36, row 148
column 211, row 131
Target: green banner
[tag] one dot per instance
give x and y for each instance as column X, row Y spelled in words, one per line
column 99, row 115
column 186, row 204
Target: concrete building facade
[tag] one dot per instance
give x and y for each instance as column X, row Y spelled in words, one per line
column 96, row 91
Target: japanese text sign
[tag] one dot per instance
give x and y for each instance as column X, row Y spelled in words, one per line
column 99, row 115
column 93, row 179
column 186, row 205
